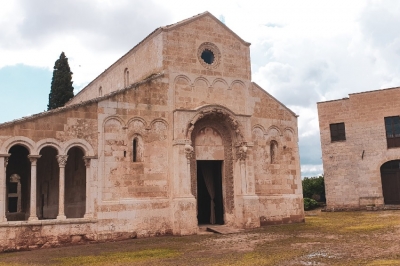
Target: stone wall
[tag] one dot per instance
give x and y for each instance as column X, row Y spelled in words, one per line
column 139, row 63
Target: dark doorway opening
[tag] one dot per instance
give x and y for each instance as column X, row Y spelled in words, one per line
column 390, row 175
column 18, row 166
column 210, row 207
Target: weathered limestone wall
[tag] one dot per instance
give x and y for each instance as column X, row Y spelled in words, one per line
column 62, row 126
column 135, row 194
column 275, row 159
column 142, row 61
column 182, row 42
column 352, row 166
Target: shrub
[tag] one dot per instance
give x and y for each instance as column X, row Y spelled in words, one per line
column 314, row 188
column 310, row 204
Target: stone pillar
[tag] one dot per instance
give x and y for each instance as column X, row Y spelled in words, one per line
column 3, row 187
column 88, row 207
column 62, row 161
column 241, row 156
column 183, row 203
column 186, row 183
column 32, row 213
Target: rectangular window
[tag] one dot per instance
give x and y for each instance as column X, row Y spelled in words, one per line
column 392, row 127
column 338, row 132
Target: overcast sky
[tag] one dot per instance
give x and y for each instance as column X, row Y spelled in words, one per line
column 302, row 51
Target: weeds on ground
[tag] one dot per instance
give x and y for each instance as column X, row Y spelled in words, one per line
column 120, row 258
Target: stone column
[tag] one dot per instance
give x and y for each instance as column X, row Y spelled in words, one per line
column 186, row 183
column 3, row 187
column 32, row 213
column 242, row 155
column 88, row 207
column 62, row 161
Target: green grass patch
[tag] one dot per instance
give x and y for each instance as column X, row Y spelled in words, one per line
column 120, row 258
column 351, row 222
column 384, row 262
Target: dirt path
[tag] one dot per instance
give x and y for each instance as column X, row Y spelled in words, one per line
column 346, row 238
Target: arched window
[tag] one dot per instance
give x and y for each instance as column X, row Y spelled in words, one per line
column 273, row 150
column 137, row 149
column 100, row 91
column 126, row 77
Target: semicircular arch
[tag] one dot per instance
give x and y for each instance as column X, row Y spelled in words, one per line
column 50, row 142
column 203, row 79
column 83, row 144
column 19, row 140
column 113, row 117
column 186, row 78
column 217, row 110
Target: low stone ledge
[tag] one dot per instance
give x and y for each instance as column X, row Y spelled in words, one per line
column 48, row 222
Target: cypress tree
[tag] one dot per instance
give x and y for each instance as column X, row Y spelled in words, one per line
column 61, row 84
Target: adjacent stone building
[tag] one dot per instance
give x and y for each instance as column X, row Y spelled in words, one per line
column 360, row 140
column 172, row 135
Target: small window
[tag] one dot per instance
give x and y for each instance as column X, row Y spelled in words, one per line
column 135, row 150
column 338, row 132
column 208, row 56
column 273, row 150
column 126, row 77
column 392, row 127
column 100, row 91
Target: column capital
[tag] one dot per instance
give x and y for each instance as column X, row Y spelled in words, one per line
column 6, row 157
column 241, row 152
column 62, row 160
column 188, row 152
column 34, row 158
column 87, row 160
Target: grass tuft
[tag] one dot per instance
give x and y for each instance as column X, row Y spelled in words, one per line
column 120, row 258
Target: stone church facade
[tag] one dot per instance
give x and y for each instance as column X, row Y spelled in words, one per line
column 172, row 135
column 360, row 140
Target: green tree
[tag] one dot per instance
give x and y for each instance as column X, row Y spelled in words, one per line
column 314, row 188
column 61, row 84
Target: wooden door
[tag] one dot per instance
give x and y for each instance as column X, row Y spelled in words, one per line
column 390, row 176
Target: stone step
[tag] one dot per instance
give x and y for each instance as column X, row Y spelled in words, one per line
column 222, row 229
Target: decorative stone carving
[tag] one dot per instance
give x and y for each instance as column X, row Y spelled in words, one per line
column 188, row 152
column 62, row 160
column 212, row 49
column 33, row 158
column 6, row 161
column 241, row 153
column 87, row 161
column 223, row 127
column 219, row 113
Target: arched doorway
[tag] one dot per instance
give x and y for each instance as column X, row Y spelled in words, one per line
column 47, row 189
column 214, row 132
column 18, row 176
column 75, row 184
column 390, row 176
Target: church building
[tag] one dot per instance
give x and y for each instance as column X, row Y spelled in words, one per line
column 171, row 136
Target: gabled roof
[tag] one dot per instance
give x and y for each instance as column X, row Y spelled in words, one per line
column 272, row 97
column 167, row 28
column 87, row 102
column 204, row 14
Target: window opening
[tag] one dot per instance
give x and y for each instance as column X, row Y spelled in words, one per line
column 208, row 56
column 126, row 77
column 273, row 150
column 338, row 132
column 392, row 127
column 135, row 145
